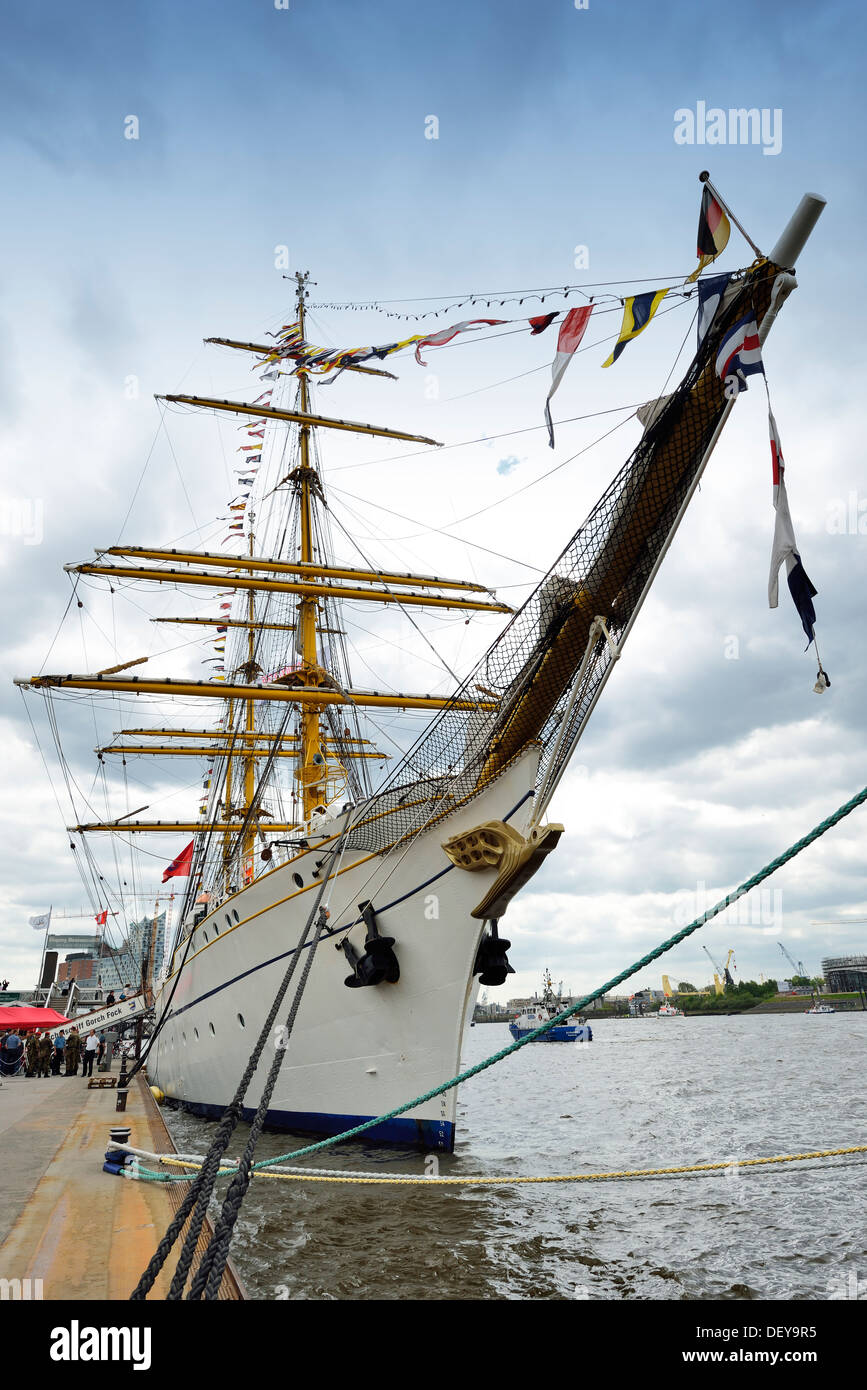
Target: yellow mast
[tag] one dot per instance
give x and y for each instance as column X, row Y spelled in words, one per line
column 227, row 840
column 310, row 579
column 249, row 762
column 311, row 763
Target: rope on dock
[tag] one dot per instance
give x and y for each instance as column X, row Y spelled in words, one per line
column 489, row 1180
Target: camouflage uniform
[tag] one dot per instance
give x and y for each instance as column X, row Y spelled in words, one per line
column 72, row 1053
column 32, row 1053
column 44, row 1054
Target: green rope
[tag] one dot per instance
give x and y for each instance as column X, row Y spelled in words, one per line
column 588, row 998
column 150, row 1175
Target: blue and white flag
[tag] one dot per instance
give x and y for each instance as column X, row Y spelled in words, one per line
column 710, row 293
column 740, row 353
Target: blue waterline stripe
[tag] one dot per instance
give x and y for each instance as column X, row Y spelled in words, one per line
column 332, row 931
column 424, row 1134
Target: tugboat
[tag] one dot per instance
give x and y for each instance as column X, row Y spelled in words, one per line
column 545, row 1009
column 668, row 1011
column 821, row 1009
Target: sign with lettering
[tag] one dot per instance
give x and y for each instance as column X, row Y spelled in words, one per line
column 111, row 1016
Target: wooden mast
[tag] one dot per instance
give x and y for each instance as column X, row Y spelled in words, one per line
column 249, row 761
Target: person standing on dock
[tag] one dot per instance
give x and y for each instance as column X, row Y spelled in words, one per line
column 44, row 1054
column 32, row 1053
column 90, row 1049
column 11, row 1053
column 73, row 1052
column 57, row 1059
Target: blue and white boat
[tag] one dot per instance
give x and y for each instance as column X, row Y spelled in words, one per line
column 542, row 1011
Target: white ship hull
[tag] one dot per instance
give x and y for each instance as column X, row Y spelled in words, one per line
column 354, row 1053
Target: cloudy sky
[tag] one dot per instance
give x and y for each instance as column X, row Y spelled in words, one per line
column 309, row 128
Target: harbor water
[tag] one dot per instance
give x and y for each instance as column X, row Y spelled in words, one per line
column 645, row 1093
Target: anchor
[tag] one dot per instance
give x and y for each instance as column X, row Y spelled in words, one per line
column 492, row 964
column 378, row 962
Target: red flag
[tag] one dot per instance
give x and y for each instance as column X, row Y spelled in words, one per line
column 541, row 321
column 571, row 332
column 102, row 917
column 180, row 866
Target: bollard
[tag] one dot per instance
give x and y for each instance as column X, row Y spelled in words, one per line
column 110, row 1040
column 122, row 1085
column 115, row 1159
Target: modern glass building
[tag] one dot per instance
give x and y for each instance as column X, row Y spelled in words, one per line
column 93, row 963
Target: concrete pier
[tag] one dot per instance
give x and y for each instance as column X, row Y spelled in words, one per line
column 84, row 1233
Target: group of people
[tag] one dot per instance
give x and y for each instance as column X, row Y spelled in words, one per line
column 44, row 1055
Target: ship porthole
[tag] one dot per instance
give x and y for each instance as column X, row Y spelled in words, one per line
column 228, row 920
column 241, row 1020
column 213, row 1030
column 204, row 936
column 297, row 879
column 216, row 929
column 196, row 1033
column 235, row 914
column 184, row 1036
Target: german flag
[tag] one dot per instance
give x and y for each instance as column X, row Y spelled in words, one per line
column 714, row 230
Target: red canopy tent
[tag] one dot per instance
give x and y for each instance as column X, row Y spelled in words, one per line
column 26, row 1016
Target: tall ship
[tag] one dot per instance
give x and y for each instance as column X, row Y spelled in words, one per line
column 416, row 863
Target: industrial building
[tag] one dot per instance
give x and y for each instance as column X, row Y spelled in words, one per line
column 844, row 974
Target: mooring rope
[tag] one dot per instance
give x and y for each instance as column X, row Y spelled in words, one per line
column 488, row 1180
column 667, row 945
column 651, row 956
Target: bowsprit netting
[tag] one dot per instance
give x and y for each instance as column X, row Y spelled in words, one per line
column 523, row 684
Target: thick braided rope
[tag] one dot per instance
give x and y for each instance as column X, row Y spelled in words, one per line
column 209, row 1275
column 200, row 1192
column 667, row 945
column 334, row 1175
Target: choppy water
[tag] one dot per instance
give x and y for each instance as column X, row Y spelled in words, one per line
column 645, row 1093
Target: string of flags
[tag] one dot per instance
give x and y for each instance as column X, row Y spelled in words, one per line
column 488, row 298
column 291, row 345
column 714, row 230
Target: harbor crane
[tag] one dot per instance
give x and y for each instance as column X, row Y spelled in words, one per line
column 721, row 972
column 799, row 968
column 717, row 981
